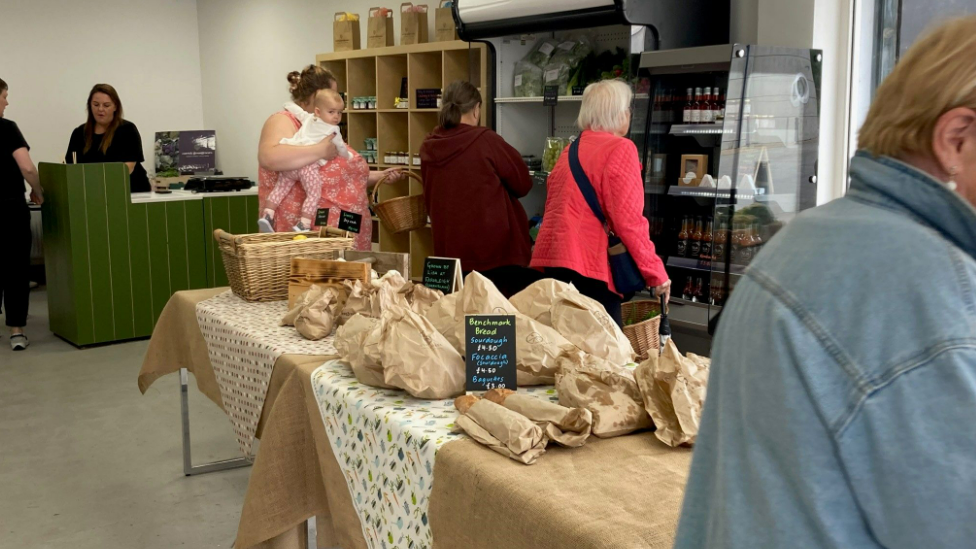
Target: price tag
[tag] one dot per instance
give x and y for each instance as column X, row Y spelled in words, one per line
column 578, row 90
column 567, row 46
column 350, row 221
column 442, row 273
column 550, row 96
column 551, row 75
column 546, row 48
column 518, row 80
column 489, row 343
column 321, row 217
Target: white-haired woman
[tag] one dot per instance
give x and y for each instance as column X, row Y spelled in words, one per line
column 572, row 244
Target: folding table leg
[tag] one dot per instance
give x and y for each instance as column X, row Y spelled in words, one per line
column 188, row 468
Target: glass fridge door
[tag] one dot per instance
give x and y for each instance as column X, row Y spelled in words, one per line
column 768, row 155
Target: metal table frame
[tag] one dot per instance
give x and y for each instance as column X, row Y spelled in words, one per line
column 188, row 468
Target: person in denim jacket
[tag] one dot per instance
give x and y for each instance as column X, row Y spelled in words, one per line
column 841, row 408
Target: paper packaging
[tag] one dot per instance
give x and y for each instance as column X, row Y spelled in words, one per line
column 673, row 389
column 568, row 427
column 538, row 347
column 609, row 392
column 504, row 431
column 441, row 315
column 444, row 29
column 413, row 23
column 350, row 342
column 420, row 297
column 586, row 324
column 379, row 28
column 304, row 300
column 372, row 300
column 345, row 32
column 536, row 300
column 317, row 320
column 418, row 359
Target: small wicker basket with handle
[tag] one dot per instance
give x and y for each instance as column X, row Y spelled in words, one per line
column 402, row 214
column 644, row 335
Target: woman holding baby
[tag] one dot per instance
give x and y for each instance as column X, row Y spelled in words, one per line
column 287, row 168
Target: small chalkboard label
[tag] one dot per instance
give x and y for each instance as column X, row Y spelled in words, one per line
column 442, row 273
column 578, row 90
column 350, row 221
column 321, row 217
column 550, row 95
column 489, row 342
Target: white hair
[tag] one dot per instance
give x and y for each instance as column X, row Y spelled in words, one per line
column 605, row 106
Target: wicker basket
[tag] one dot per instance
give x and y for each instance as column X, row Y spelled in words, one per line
column 406, row 213
column 644, row 336
column 258, row 264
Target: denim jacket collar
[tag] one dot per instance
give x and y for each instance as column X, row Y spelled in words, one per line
column 895, row 185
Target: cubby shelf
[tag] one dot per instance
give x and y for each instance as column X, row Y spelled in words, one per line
column 379, row 72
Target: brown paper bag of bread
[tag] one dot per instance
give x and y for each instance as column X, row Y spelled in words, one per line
column 441, row 315
column 536, row 300
column 538, row 347
column 419, row 297
column 418, row 359
column 504, row 431
column 609, row 392
column 350, row 342
column 371, row 299
column 568, row 427
column 318, row 319
column 304, row 300
column 673, row 388
column 586, row 324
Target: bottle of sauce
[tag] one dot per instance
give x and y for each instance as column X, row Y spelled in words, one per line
column 689, row 106
column 736, row 242
column 706, row 243
column 718, row 109
column 689, row 291
column 706, row 107
column 694, row 246
column 696, row 107
column 698, row 296
column 682, row 249
column 720, row 242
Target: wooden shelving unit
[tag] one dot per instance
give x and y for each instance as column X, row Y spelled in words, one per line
column 379, row 72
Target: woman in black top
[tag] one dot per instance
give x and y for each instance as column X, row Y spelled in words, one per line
column 15, row 166
column 108, row 137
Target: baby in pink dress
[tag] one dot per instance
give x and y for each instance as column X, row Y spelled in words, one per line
column 315, row 127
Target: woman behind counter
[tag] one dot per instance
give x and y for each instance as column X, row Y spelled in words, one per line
column 472, row 182
column 107, row 137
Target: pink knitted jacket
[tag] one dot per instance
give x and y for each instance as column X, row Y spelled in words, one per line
column 572, row 238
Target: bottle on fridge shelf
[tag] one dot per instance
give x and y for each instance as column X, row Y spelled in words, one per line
column 694, row 246
column 706, row 107
column 698, row 295
column 681, row 250
column 717, row 292
column 689, row 107
column 706, row 243
column 720, row 241
column 718, row 105
column 689, row 292
column 736, row 242
column 696, row 107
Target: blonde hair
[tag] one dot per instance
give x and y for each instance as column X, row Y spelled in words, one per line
column 936, row 75
column 605, row 106
column 327, row 97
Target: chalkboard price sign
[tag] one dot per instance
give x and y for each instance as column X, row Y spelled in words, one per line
column 349, row 221
column 489, row 342
column 442, row 273
column 550, row 95
column 321, row 217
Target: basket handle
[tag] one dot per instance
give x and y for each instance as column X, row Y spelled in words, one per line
column 325, row 232
column 374, row 196
column 224, row 238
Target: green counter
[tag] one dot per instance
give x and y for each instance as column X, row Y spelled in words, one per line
column 113, row 259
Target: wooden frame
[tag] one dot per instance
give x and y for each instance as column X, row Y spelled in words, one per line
column 378, row 72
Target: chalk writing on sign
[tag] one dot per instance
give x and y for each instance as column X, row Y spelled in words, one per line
column 490, row 348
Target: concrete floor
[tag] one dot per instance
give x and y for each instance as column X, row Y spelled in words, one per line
column 86, row 461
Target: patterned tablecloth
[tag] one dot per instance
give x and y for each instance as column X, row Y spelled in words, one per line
column 385, row 442
column 244, row 340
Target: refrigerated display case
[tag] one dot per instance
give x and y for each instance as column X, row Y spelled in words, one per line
column 729, row 138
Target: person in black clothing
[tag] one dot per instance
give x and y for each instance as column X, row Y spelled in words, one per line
column 15, row 166
column 108, row 137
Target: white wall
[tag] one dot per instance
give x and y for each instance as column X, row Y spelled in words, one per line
column 55, row 51
column 246, row 49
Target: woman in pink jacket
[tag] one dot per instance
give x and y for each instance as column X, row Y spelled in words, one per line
column 572, row 244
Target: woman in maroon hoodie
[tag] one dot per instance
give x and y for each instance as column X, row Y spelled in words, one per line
column 472, row 182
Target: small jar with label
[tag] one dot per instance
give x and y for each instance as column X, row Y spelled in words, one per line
column 387, row 157
column 416, row 160
column 440, row 98
column 371, row 102
column 402, row 159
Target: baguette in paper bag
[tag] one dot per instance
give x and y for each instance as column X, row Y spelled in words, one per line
column 586, row 324
column 538, row 347
column 416, row 358
column 609, row 392
column 350, row 342
column 536, row 300
column 441, row 315
column 568, row 427
column 504, row 431
column 673, row 389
